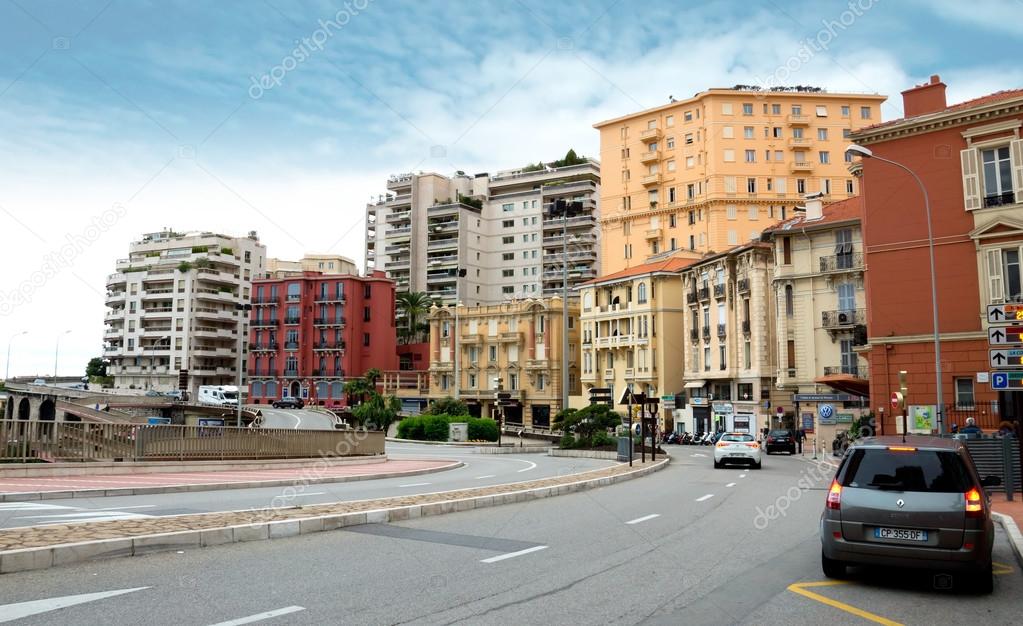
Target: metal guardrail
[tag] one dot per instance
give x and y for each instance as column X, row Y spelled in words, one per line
column 31, row 441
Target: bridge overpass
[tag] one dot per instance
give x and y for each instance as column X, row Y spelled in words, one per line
column 30, row 402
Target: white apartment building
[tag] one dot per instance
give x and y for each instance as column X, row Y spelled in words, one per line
column 172, row 321
column 497, row 228
column 820, row 308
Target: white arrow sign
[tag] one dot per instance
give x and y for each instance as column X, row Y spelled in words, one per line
column 1006, row 357
column 10, row 612
column 1004, row 335
column 1004, row 313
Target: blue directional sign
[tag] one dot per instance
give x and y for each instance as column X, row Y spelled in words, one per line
column 1009, row 381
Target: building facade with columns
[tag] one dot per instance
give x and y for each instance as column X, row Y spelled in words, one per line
column 516, row 346
column 729, row 325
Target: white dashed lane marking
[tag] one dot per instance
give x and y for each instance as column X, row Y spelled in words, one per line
column 706, row 497
column 640, row 520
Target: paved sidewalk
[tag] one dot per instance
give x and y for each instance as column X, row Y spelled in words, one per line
column 52, row 535
column 64, row 484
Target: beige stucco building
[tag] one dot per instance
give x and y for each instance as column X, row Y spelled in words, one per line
column 819, row 304
column 518, row 342
column 712, row 171
column 730, row 349
column 631, row 325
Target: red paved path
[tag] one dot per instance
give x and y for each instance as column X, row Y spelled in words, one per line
column 130, row 481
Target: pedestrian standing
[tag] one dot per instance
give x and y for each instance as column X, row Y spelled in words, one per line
column 800, row 437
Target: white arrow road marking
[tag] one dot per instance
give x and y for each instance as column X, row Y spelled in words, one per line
column 512, row 555
column 640, row 520
column 258, row 617
column 706, row 497
column 730, row 485
column 11, row 612
column 31, row 506
column 532, row 465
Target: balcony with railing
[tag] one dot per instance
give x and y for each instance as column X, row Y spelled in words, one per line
column 651, row 179
column 852, row 370
column 292, row 320
column 694, row 335
column 847, row 318
column 264, row 346
column 329, row 345
column 719, row 290
column 266, row 321
column 262, row 372
column 742, row 285
column 331, row 297
column 799, row 142
column 722, row 330
column 999, row 199
column 745, row 327
column 650, row 133
column 703, row 293
column 800, row 166
column 842, row 262
column 797, row 119
column 329, row 321
column 291, row 345
column 706, row 333
column 291, row 373
column 650, row 156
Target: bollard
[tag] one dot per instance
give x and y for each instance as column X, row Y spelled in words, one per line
column 1010, row 475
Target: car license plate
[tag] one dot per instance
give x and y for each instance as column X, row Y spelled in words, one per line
column 901, row 534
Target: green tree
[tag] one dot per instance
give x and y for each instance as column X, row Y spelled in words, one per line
column 446, row 406
column 586, row 422
column 357, row 390
column 412, row 309
column 378, row 411
column 96, row 367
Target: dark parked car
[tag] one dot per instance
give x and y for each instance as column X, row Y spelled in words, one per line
column 917, row 503
column 780, row 441
column 289, row 403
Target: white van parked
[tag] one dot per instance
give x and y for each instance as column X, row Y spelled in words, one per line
column 220, row 395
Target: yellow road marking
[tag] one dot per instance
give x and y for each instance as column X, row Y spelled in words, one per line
column 1001, row 568
column 801, row 589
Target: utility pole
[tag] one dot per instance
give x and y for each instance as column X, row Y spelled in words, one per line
column 242, row 310
column 56, row 355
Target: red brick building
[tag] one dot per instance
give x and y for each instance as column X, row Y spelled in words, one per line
column 969, row 156
column 309, row 331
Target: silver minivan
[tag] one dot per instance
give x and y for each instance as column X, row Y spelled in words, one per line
column 917, row 503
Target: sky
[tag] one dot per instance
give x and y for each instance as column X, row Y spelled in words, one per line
column 119, row 118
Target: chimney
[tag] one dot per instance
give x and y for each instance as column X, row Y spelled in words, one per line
column 926, row 98
column 814, row 207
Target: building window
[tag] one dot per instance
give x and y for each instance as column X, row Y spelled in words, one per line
column 825, row 157
column 508, row 240
column 747, row 108
column 507, row 256
column 843, row 248
column 864, row 113
column 670, row 143
column 800, row 186
column 964, row 393
column 849, row 186
column 706, row 358
column 997, row 170
column 729, row 155
column 753, row 211
column 508, row 208
column 775, row 109
column 747, row 132
column 508, row 273
column 751, row 156
column 730, row 211
column 751, row 185
column 721, row 357
column 797, row 133
column 822, row 110
column 822, row 134
column 508, row 290
column 790, row 360
column 848, row 357
column 507, row 223
column 367, row 291
column 294, row 291
column 790, row 305
column 492, row 353
column 365, row 313
column 1004, row 275
column 641, row 293
column 729, row 184
column 826, row 186
column 845, row 110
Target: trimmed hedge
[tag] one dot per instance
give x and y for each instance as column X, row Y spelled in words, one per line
column 435, row 427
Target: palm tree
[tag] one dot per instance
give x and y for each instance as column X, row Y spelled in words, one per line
column 412, row 307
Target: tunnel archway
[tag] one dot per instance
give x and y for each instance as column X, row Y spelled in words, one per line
column 24, row 409
column 48, row 411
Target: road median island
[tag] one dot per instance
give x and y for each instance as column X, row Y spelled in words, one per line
column 41, row 547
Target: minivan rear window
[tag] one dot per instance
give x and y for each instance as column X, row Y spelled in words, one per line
column 934, row 471
column 737, row 438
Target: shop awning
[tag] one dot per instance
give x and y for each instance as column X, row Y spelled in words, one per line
column 695, row 384
column 846, row 383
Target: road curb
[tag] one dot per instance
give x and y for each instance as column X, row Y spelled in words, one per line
column 1015, row 536
column 28, row 559
column 189, row 487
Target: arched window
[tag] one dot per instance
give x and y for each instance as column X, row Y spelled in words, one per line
column 789, row 303
column 257, row 389
column 271, row 390
column 588, row 300
column 641, row 293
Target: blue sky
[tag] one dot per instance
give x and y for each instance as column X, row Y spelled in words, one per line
column 149, row 107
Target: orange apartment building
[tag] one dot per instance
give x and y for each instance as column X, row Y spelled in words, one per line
column 711, row 172
column 969, row 157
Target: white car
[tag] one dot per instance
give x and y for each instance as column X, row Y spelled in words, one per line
column 737, row 448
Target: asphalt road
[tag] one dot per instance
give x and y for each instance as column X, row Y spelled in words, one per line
column 684, row 545
column 297, row 419
column 479, row 470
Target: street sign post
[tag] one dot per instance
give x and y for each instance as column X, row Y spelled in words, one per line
column 1004, row 313
column 1004, row 335
column 1007, row 381
column 1005, row 357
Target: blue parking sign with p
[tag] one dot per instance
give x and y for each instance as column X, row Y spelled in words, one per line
column 999, row 380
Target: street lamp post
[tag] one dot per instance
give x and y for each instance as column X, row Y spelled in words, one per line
column 866, row 153
column 243, row 309
column 56, row 355
column 7, row 376
column 459, row 274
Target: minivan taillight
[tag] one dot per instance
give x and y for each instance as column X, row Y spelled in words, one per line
column 974, row 507
column 835, row 496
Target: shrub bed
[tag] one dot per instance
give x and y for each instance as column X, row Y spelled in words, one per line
column 435, row 427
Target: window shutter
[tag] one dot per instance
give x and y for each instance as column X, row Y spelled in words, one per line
column 1016, row 158
column 971, row 179
column 995, row 284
